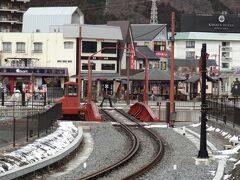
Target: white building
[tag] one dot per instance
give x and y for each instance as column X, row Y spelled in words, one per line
column 53, row 56
column 48, row 19
column 223, row 47
column 49, row 57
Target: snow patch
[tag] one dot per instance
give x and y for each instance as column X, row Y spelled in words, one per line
column 195, row 125
column 41, row 148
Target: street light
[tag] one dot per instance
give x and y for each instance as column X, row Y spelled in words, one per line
column 203, row 138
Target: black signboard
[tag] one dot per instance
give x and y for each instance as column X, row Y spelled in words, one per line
column 216, row 23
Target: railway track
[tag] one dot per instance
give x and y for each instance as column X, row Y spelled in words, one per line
column 134, row 131
column 130, row 126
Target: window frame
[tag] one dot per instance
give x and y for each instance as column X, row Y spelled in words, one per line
column 37, row 47
column 22, row 45
column 106, row 69
column 93, row 66
column 190, row 44
column 109, row 44
column 159, row 46
column 68, row 44
column 91, row 49
column 7, row 45
column 190, row 57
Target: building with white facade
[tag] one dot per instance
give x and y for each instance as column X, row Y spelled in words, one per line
column 222, row 47
column 11, row 15
column 52, row 57
column 221, row 33
column 101, row 43
column 49, row 19
column 48, row 57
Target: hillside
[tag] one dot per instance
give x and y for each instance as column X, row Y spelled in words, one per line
column 138, row 11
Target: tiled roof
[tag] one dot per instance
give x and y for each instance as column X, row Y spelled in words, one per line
column 101, row 76
column 125, row 27
column 146, row 32
column 147, row 52
column 196, row 78
column 155, row 75
column 191, row 62
column 101, row 32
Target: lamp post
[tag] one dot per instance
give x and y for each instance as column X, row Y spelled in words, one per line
column 172, row 109
column 203, row 138
column 219, row 69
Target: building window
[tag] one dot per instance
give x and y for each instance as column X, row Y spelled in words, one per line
column 190, row 44
column 108, row 66
column 37, row 47
column 146, row 43
column 85, row 66
column 89, row 47
column 159, row 46
column 7, row 47
column 163, row 66
column 68, row 45
column 109, row 51
column 225, row 43
column 20, row 47
column 190, row 54
column 140, row 66
column 225, row 65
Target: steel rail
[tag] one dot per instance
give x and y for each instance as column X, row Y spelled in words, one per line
column 159, row 153
column 126, row 158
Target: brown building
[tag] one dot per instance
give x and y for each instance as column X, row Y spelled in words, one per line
column 11, row 15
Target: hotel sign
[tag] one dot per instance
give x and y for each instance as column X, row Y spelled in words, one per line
column 217, row 23
column 221, row 25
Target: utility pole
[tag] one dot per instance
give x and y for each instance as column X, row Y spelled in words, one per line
column 79, row 50
column 172, row 109
column 203, row 139
column 128, row 76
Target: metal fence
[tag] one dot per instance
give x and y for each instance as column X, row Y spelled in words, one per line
column 14, row 129
column 224, row 109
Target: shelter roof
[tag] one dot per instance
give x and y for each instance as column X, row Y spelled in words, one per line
column 101, row 76
column 196, row 78
column 191, row 62
column 155, row 75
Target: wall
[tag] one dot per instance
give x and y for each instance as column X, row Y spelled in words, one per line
column 102, row 55
column 52, row 54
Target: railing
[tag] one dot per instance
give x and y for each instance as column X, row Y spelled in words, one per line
column 14, row 129
column 29, row 99
column 224, row 109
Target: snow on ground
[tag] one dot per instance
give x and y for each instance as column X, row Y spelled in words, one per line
column 226, row 154
column 40, row 149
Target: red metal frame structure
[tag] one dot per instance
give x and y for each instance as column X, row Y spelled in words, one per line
column 172, row 109
column 89, row 95
column 139, row 110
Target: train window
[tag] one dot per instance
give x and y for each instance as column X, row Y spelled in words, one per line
column 72, row 90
